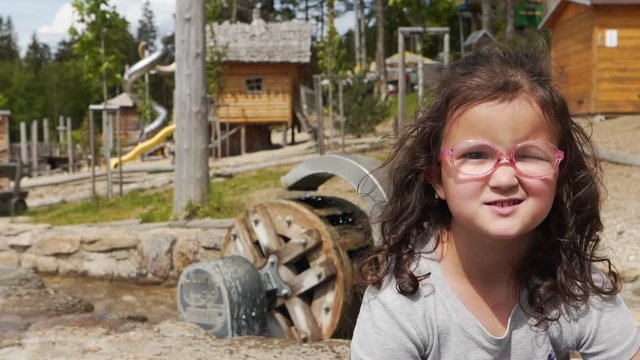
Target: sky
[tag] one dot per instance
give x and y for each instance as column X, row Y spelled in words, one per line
column 50, row 19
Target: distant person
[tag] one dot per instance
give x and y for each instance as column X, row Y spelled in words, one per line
column 490, row 234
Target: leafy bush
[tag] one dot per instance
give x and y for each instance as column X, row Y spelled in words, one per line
column 363, row 110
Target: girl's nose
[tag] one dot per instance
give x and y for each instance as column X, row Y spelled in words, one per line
column 504, row 176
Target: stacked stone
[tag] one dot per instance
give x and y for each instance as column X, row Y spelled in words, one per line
column 155, row 253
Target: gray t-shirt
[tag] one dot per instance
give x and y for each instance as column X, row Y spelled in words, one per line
column 433, row 324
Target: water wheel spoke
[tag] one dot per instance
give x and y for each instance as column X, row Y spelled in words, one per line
column 298, row 246
column 303, row 319
column 324, row 296
column 310, row 278
column 244, row 245
column 262, row 225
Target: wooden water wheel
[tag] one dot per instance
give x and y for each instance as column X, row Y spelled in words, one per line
column 311, row 239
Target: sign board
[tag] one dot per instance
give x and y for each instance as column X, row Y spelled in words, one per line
column 611, row 38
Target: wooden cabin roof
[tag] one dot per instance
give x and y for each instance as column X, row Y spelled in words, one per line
column 560, row 4
column 122, row 100
column 284, row 42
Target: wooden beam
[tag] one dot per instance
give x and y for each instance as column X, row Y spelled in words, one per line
column 191, row 178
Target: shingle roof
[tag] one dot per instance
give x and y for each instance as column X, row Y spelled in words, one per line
column 554, row 9
column 284, row 42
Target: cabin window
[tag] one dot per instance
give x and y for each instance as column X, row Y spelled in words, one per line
column 254, row 85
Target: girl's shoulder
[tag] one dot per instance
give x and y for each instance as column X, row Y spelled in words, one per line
column 601, row 328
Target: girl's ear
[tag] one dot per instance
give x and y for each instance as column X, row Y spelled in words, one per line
column 433, row 176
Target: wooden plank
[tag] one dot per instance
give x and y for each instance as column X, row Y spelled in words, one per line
column 262, row 224
column 303, row 319
column 318, row 273
column 298, row 246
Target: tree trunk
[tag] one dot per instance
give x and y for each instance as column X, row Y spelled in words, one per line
column 380, row 50
column 486, row 14
column 510, row 20
column 191, row 177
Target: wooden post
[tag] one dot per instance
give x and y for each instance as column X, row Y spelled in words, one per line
column 70, row 144
column 243, row 139
column 420, row 68
column 45, row 137
column 60, row 129
column 402, row 101
column 119, row 141
column 331, row 128
column 317, row 81
column 108, row 145
column 92, row 151
column 191, row 177
column 24, row 153
column 284, row 135
column 341, row 109
column 34, row 147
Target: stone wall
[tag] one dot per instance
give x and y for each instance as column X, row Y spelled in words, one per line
column 143, row 253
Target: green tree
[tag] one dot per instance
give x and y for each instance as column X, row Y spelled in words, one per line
column 362, row 110
column 64, row 51
column 330, row 49
column 102, row 40
column 147, row 30
column 37, row 56
column 9, row 50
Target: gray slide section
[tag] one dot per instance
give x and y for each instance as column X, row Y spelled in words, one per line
column 136, row 71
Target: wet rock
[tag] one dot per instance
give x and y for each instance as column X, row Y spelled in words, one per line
column 40, row 302
column 15, row 276
column 155, row 250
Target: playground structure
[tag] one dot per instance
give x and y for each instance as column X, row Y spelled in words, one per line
column 291, row 259
column 156, row 132
column 262, row 67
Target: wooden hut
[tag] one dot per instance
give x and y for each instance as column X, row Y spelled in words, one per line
column 260, row 78
column 595, row 47
column 130, row 120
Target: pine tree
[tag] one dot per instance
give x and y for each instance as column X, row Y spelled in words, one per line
column 8, row 41
column 38, row 54
column 147, row 30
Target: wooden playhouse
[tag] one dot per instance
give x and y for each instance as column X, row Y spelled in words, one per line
column 595, row 47
column 260, row 78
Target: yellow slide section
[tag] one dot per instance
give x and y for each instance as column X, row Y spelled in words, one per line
column 145, row 146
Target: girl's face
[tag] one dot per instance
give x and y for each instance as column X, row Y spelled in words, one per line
column 501, row 204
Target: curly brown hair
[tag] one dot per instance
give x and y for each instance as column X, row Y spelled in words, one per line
column 559, row 268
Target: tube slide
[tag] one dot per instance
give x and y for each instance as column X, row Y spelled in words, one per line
column 136, row 71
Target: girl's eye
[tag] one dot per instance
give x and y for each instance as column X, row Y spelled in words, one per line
column 475, row 155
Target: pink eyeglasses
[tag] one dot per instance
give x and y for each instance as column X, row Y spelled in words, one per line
column 532, row 159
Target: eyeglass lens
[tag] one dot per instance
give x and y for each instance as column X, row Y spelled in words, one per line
column 478, row 158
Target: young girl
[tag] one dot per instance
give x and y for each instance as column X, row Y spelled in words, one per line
column 492, row 228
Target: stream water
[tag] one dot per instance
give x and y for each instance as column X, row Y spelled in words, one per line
column 155, row 302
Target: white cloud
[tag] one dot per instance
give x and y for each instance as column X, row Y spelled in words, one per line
column 131, row 9
column 62, row 21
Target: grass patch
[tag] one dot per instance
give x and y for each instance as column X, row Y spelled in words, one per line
column 227, row 199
